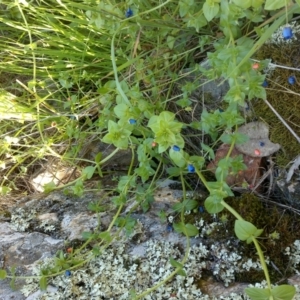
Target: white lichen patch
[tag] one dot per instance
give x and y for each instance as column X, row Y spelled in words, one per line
column 114, row 274
column 20, row 219
column 277, row 37
column 47, row 226
column 294, row 254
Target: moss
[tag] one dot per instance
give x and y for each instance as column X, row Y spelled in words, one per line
column 285, row 98
column 270, row 219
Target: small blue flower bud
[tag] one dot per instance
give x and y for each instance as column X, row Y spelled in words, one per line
column 68, row 273
column 287, row 33
column 292, row 80
column 176, row 148
column 132, row 121
column 191, row 169
column 261, row 144
column 169, row 228
column 128, row 13
column 201, row 209
column 265, row 83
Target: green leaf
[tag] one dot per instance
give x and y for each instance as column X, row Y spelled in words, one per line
column 98, row 157
column 105, row 236
column 210, row 10
column 190, row 230
column 3, row 274
column 43, row 283
column 213, row 204
column 245, row 231
column 173, row 171
column 117, row 135
column 86, row 235
column 175, row 263
column 178, row 265
column 177, row 157
column 209, row 150
column 243, row 3
column 178, row 227
column 88, row 172
column 189, row 204
column 283, row 292
column 49, row 187
column 258, row 294
column 122, row 111
column 235, row 137
column 274, row 4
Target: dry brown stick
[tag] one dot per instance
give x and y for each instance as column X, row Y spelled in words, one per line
column 283, row 121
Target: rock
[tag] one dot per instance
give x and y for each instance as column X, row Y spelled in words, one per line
column 258, row 144
column 141, row 257
column 53, row 170
column 244, row 178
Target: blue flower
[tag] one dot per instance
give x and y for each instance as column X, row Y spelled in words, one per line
column 169, row 228
column 292, row 80
column 287, row 33
column 68, row 273
column 128, row 13
column 176, row 148
column 265, row 83
column 191, row 169
column 132, row 121
column 201, row 209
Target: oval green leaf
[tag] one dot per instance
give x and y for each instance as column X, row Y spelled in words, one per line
column 258, row 294
column 43, row 283
column 274, row 4
column 213, row 204
column 283, row 292
column 190, row 230
column 3, row 274
column 246, row 231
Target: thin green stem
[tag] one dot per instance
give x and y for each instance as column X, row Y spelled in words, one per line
column 262, row 261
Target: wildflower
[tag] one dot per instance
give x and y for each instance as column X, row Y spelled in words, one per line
column 256, row 152
column 154, row 144
column 132, row 121
column 68, row 273
column 265, row 83
column 255, row 66
column 191, row 169
column 176, row 148
column 287, row 33
column 129, row 13
column 291, row 80
column 169, row 228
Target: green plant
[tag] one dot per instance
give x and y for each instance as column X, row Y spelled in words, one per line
column 128, row 67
